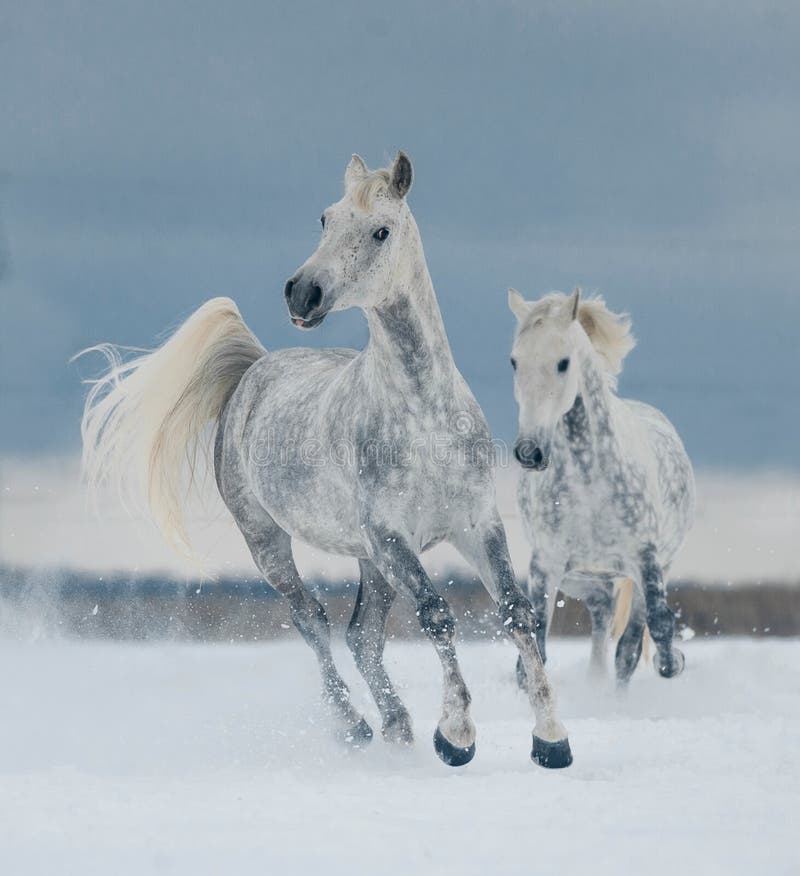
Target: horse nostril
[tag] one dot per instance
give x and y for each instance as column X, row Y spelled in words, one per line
column 315, row 298
column 287, row 289
column 529, row 455
column 523, row 451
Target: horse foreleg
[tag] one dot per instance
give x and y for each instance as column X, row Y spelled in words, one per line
column 366, row 637
column 485, row 547
column 542, row 589
column 454, row 739
column 660, row 617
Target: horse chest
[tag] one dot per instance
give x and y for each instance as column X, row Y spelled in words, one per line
column 594, row 512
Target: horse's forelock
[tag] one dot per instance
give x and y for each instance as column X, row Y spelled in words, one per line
column 540, row 310
column 609, row 333
column 373, row 185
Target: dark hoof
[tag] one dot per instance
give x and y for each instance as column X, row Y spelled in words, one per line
column 359, row 735
column 551, row 755
column 522, row 675
column 451, row 754
column 670, row 670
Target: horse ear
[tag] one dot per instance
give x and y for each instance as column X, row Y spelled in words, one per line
column 517, row 304
column 574, row 304
column 402, row 175
column 356, row 171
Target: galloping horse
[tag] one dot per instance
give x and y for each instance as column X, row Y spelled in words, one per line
column 606, row 491
column 336, row 447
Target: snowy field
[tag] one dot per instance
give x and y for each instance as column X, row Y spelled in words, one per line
column 119, row 758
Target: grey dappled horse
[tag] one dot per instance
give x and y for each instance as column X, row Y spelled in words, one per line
column 606, row 491
column 376, row 454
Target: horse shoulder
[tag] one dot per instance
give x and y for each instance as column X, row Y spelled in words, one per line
column 466, row 403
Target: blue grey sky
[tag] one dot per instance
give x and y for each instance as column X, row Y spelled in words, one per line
column 156, row 154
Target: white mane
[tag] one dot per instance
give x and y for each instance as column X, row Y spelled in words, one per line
column 610, row 333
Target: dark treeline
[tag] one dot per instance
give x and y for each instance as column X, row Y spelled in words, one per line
column 151, row 606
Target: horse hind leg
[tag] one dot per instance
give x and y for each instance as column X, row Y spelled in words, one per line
column 366, row 638
column 271, row 548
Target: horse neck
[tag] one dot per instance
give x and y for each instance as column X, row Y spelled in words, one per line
column 408, row 343
column 591, row 416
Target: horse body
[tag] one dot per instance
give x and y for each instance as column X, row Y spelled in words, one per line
column 618, row 478
column 375, row 454
column 614, row 499
column 320, row 474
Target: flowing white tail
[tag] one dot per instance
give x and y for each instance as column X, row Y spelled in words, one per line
column 146, row 419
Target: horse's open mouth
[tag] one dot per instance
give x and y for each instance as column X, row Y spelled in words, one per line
column 308, row 323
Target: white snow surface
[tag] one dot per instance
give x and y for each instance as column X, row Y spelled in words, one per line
column 210, row 759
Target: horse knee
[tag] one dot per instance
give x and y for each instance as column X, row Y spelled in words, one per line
column 538, row 604
column 435, row 617
column 517, row 615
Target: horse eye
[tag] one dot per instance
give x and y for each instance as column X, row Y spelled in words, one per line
column 322, row 220
column 513, row 363
column 563, row 365
column 381, row 234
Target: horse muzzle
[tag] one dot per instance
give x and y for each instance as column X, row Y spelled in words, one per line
column 304, row 300
column 530, row 455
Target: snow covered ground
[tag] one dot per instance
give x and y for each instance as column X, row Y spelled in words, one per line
column 175, row 758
